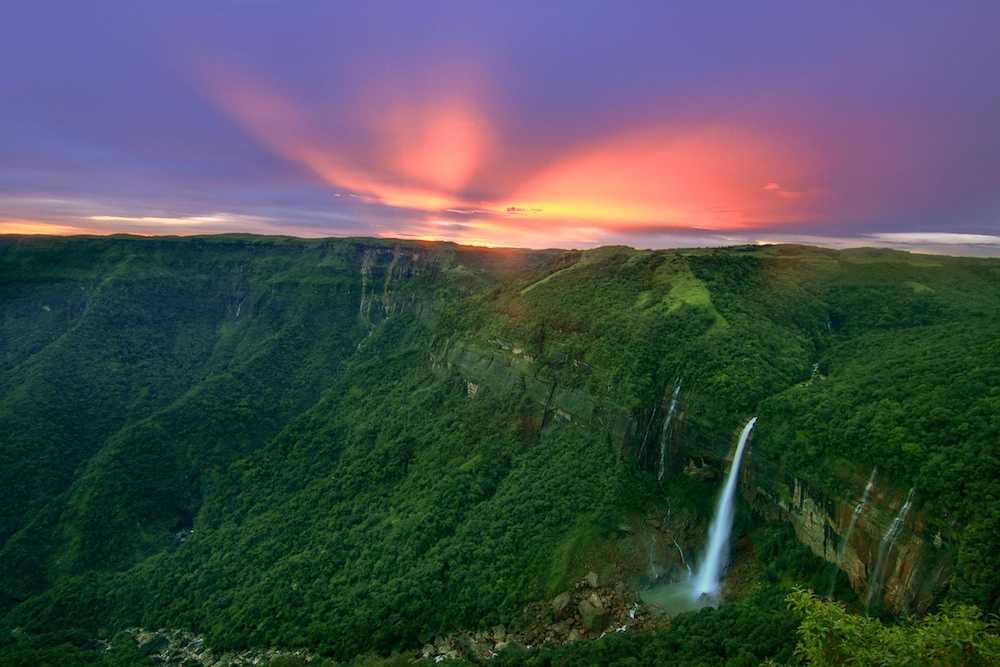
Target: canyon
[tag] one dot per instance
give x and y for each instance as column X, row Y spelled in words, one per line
column 360, row 446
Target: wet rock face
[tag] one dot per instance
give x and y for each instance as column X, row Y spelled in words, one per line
column 383, row 275
column 914, row 566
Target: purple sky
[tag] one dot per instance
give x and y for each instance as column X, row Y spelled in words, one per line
column 540, row 123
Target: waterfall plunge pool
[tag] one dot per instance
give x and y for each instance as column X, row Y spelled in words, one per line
column 676, row 598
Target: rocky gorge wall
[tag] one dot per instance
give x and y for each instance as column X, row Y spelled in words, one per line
column 914, row 564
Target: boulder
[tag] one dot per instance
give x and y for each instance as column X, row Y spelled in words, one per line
column 704, row 471
column 560, row 605
column 154, row 644
column 593, row 614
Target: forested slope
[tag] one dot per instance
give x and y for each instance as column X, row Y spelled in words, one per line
column 356, row 445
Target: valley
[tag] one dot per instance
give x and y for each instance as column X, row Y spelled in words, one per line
column 361, row 450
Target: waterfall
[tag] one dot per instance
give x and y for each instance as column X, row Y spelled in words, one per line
column 858, row 511
column 884, row 547
column 665, row 431
column 654, row 572
column 708, row 579
column 683, row 559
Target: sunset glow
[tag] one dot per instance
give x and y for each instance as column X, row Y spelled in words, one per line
column 704, row 178
column 424, row 158
column 37, row 227
column 476, row 124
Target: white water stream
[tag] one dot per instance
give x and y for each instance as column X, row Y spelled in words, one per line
column 859, row 509
column 888, row 542
column 708, row 580
column 702, row 589
column 665, row 431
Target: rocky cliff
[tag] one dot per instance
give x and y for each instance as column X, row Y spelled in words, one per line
column 914, row 565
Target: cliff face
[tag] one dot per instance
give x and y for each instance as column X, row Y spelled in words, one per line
column 503, row 366
column 888, row 554
column 903, row 568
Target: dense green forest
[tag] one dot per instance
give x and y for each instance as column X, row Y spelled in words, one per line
column 356, row 446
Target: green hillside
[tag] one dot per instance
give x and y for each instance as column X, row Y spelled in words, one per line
column 356, row 446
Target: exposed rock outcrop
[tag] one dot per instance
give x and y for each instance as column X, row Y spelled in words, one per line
column 505, row 366
column 585, row 612
column 178, row 647
column 915, row 564
column 384, row 273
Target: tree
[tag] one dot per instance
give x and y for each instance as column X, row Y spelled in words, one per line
column 956, row 636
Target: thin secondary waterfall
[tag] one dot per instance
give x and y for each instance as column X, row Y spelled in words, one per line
column 858, row 511
column 683, row 559
column 665, row 431
column 708, row 579
column 654, row 569
column 884, row 547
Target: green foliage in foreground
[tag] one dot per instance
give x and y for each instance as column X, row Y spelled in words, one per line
column 957, row 636
column 799, row 629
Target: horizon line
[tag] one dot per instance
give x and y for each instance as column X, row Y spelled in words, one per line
column 910, row 249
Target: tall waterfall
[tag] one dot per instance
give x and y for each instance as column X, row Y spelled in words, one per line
column 884, row 547
column 708, row 579
column 665, row 431
column 858, row 511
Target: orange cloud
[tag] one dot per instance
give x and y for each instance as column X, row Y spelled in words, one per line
column 498, row 232
column 424, row 152
column 17, row 226
column 685, row 177
column 784, row 193
column 438, row 145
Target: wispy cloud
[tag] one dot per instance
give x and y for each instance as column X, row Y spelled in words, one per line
column 19, row 226
column 181, row 221
column 786, row 193
column 417, row 154
column 936, row 238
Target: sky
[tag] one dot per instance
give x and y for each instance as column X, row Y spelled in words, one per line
column 535, row 124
